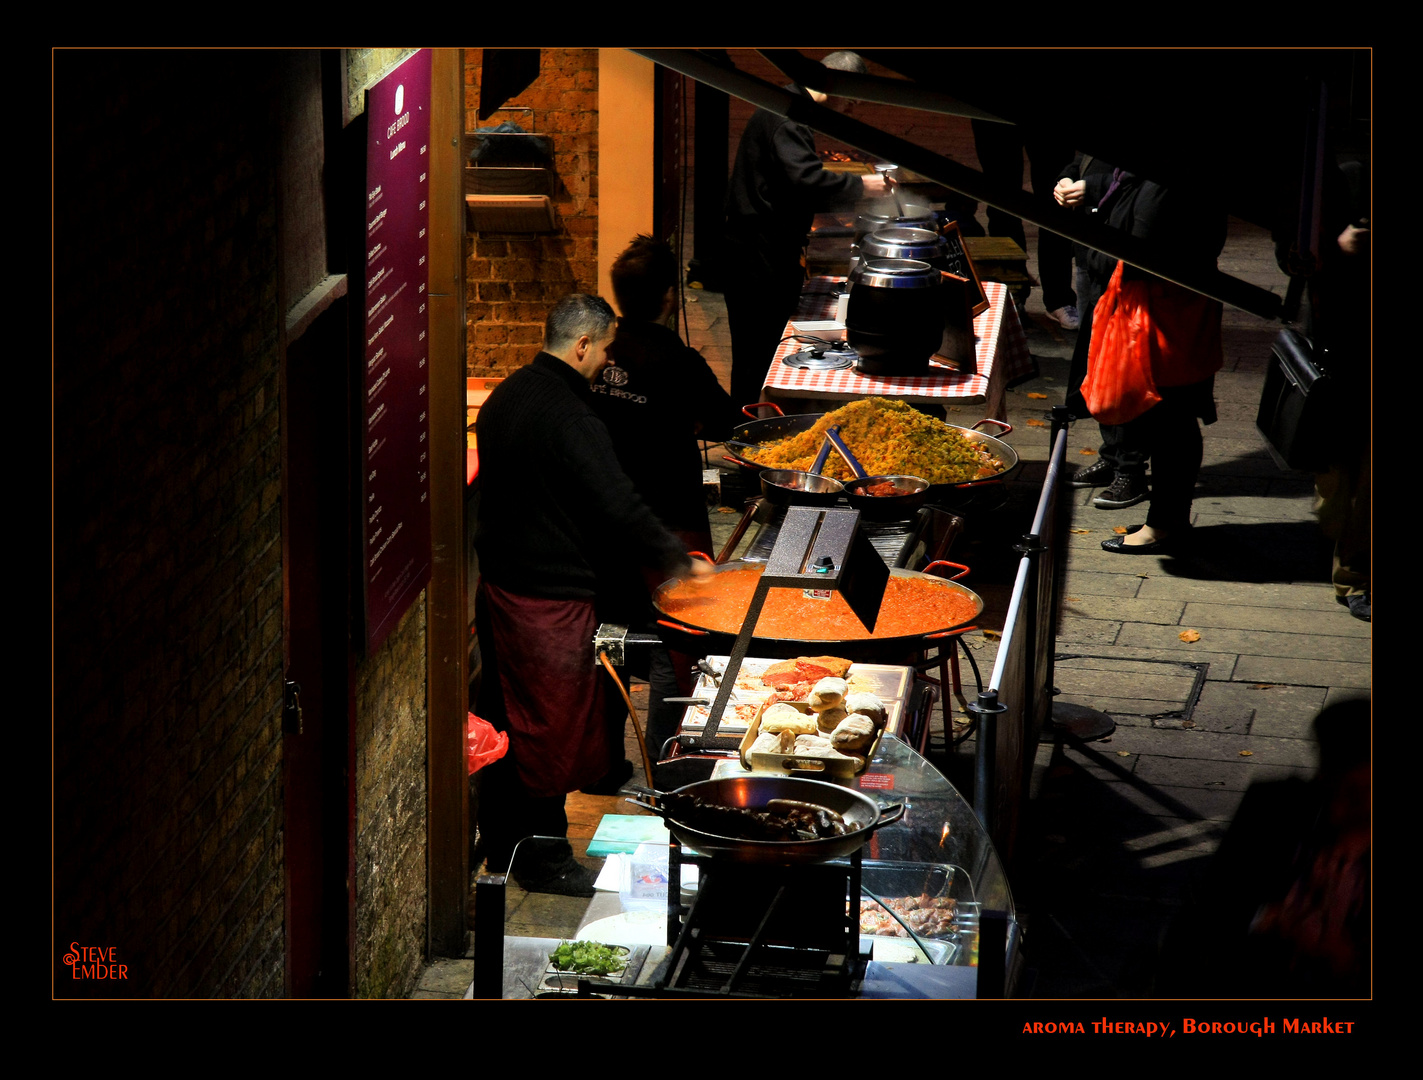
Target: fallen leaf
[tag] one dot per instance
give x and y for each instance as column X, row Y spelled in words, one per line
column 1088, row 451
column 993, row 635
column 1082, row 532
column 1247, row 753
column 1143, row 576
column 955, row 408
column 1123, row 753
column 1120, row 530
column 1038, row 397
column 1073, row 599
column 726, row 510
column 1188, row 723
column 1036, row 423
column 1262, row 686
column 1189, row 635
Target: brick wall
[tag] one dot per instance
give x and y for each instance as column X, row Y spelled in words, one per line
column 168, row 817
column 168, row 601
column 512, row 283
column 391, row 893
column 390, row 780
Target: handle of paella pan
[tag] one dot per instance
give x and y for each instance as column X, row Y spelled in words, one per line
column 824, row 455
column 888, row 815
column 962, row 569
column 746, row 409
column 833, row 435
column 648, row 802
column 1007, row 428
column 680, row 628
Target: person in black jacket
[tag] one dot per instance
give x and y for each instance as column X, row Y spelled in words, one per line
column 555, row 511
column 1192, row 230
column 777, row 185
column 658, row 396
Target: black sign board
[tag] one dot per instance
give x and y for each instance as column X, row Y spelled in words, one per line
column 395, row 445
column 962, row 265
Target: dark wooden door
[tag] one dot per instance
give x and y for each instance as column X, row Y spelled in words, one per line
column 317, row 788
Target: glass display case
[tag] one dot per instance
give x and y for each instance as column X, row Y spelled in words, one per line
column 933, row 867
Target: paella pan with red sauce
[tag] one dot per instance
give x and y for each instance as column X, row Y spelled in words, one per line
column 914, row 604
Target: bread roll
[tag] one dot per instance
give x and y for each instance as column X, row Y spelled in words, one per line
column 828, row 693
column 808, row 745
column 827, row 720
column 767, row 743
column 853, row 733
column 867, row 705
column 783, row 717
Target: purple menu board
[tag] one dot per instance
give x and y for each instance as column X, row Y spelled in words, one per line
column 395, row 443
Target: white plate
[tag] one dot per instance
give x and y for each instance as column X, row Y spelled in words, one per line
column 629, row 928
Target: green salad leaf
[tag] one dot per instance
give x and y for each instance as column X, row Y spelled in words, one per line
column 588, row 958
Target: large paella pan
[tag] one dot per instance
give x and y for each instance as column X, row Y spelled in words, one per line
column 889, row 437
column 916, row 606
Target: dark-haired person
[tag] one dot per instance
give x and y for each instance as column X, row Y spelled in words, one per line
column 658, row 396
column 555, row 509
column 777, row 185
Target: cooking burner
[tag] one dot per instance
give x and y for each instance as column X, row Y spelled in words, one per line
column 763, row 931
column 839, row 355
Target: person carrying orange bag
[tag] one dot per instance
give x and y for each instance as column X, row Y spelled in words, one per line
column 1155, row 348
column 1148, row 333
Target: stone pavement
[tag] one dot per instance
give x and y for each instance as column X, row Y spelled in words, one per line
column 1119, row 831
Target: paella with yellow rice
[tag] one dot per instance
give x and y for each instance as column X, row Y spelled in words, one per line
column 889, row 438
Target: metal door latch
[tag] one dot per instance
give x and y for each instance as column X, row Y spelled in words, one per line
column 291, row 708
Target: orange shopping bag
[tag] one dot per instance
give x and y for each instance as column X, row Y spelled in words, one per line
column 1120, row 385
column 482, row 743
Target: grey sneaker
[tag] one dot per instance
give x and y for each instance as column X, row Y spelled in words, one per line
column 1359, row 605
column 1069, row 318
column 1126, row 490
column 1098, row 474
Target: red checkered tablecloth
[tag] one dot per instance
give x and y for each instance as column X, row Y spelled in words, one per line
column 1000, row 344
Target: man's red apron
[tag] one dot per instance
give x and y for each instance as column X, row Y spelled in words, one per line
column 553, row 693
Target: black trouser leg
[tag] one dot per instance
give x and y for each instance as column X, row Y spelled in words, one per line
column 757, row 308
column 1000, row 153
column 1125, row 448
column 1045, row 161
column 1171, row 434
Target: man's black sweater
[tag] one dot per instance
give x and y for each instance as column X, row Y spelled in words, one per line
column 657, row 398
column 555, row 506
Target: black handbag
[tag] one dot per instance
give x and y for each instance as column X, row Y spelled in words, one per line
column 1299, row 407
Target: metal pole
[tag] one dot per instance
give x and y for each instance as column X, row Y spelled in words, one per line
column 985, row 754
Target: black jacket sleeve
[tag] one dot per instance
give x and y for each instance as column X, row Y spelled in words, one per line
column 617, row 518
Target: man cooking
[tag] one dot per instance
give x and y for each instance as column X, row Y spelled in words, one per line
column 777, row 185
column 555, row 510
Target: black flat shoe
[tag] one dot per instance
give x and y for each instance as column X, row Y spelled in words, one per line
column 1117, row 547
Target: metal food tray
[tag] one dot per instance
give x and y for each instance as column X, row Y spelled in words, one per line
column 892, row 880
column 831, row 765
column 889, row 682
column 557, row 983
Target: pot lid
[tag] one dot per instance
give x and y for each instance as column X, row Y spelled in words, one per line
column 821, row 359
column 894, row 274
column 903, row 243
